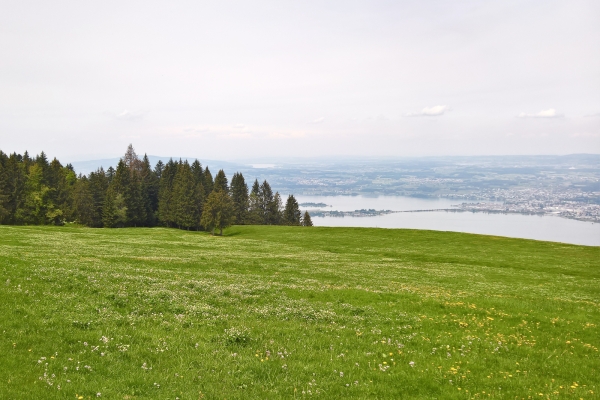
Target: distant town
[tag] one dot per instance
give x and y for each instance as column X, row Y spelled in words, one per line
column 564, row 186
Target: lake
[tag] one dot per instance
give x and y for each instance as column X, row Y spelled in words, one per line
column 550, row 228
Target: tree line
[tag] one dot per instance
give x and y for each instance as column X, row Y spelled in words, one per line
column 35, row 191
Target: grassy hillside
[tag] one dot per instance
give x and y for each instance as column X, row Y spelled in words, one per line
column 286, row 312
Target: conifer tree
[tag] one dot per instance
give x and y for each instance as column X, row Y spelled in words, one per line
column 218, row 212
column 266, row 198
column 98, row 185
column 16, row 177
column 255, row 212
column 275, row 210
column 165, row 206
column 134, row 201
column 4, row 194
column 114, row 211
column 208, row 181
column 198, row 172
column 158, row 169
column 306, row 221
column 291, row 213
column 240, row 197
column 150, row 189
column 185, row 197
column 110, row 174
column 221, row 182
column 83, row 202
column 37, row 208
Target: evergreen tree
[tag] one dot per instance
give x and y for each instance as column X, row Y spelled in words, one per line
column 265, row 195
column 240, row 197
column 218, row 212
column 306, row 221
column 208, row 181
column 4, row 191
column 37, row 208
column 127, row 183
column 275, row 210
column 16, row 177
column 98, row 185
column 114, row 211
column 291, row 213
column 150, row 189
column 110, row 174
column 158, row 169
column 135, row 202
column 83, row 201
column 221, row 182
column 198, row 172
column 185, row 197
column 165, row 209
column 255, row 212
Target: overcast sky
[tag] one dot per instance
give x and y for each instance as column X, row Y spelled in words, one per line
column 254, row 79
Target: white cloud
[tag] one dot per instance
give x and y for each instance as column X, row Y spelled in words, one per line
column 549, row 113
column 592, row 115
column 318, row 120
column 434, row 111
column 127, row 115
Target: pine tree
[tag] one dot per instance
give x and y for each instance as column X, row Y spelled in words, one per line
column 208, row 181
column 275, row 210
column 135, row 202
column 16, row 177
column 198, row 172
column 114, row 211
column 83, row 202
column 218, row 212
column 110, row 174
column 4, row 193
column 255, row 212
column 185, row 197
column 240, row 197
column 98, row 185
column 150, row 189
column 306, row 221
column 165, row 209
column 265, row 195
column 291, row 213
column 221, row 182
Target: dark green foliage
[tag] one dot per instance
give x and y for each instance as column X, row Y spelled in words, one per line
column 218, row 212
column 306, row 221
column 165, row 209
column 240, row 197
column 150, row 189
column 221, row 182
column 208, row 181
column 98, row 184
column 291, row 213
column 34, row 191
column 114, row 212
column 185, row 198
column 83, row 200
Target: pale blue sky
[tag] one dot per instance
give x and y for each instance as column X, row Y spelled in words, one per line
column 227, row 80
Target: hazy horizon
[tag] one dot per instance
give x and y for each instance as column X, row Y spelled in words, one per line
column 233, row 80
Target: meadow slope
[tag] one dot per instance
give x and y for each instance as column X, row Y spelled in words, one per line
column 291, row 312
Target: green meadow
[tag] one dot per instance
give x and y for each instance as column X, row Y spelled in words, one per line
column 292, row 312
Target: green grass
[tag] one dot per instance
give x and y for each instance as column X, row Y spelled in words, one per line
column 286, row 312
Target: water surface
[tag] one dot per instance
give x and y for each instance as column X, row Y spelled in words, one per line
column 550, row 228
